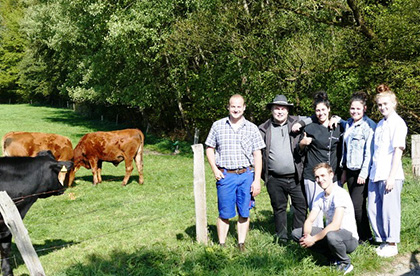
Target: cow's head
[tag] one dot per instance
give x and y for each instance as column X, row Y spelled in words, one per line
column 59, row 168
column 78, row 160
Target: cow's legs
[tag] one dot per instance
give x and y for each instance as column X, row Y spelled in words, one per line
column 94, row 166
column 5, row 248
column 139, row 164
column 99, row 171
column 128, row 169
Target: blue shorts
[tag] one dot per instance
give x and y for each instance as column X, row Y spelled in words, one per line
column 234, row 192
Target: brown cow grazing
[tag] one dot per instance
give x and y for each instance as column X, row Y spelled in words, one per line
column 20, row 143
column 112, row 146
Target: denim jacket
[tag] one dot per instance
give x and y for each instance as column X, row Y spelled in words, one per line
column 358, row 145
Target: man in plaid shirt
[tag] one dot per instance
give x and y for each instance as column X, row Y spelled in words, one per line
column 234, row 153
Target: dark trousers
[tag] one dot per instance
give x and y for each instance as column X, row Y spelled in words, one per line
column 335, row 245
column 358, row 194
column 279, row 189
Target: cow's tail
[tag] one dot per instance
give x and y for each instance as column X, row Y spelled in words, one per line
column 139, row 157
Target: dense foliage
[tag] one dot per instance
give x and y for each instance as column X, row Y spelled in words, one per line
column 178, row 61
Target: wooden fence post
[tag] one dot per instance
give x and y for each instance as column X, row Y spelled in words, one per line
column 415, row 154
column 14, row 222
column 200, row 194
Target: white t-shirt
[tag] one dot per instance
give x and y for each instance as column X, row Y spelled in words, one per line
column 389, row 134
column 338, row 198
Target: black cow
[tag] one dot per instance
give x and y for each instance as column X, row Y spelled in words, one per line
column 26, row 179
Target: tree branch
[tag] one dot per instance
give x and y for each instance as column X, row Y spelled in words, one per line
column 360, row 20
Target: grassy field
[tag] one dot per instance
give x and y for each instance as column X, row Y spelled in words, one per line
column 150, row 229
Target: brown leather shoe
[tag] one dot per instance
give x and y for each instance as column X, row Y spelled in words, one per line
column 241, row 247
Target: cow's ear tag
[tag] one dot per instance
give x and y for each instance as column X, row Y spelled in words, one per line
column 63, row 169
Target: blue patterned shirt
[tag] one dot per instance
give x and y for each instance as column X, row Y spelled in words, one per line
column 234, row 149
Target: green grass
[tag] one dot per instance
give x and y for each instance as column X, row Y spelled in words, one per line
column 150, row 229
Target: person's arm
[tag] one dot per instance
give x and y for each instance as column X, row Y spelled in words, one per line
column 343, row 161
column 396, row 162
column 256, row 184
column 309, row 240
column 364, row 170
column 306, row 240
column 307, row 226
column 336, row 120
column 334, row 225
column 212, row 161
column 303, row 121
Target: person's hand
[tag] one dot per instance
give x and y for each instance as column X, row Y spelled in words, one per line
column 307, row 241
column 361, row 180
column 296, row 127
column 218, row 174
column 390, row 183
column 305, row 140
column 256, row 188
column 334, row 121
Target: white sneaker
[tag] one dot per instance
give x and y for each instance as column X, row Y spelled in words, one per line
column 379, row 248
column 388, row 251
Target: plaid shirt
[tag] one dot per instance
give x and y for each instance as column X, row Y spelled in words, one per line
column 234, row 149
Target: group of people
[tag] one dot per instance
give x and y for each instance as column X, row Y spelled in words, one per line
column 310, row 159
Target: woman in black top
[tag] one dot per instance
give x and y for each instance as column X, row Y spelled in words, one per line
column 320, row 143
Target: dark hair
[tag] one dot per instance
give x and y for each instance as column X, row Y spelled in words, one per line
column 321, row 97
column 382, row 88
column 359, row 96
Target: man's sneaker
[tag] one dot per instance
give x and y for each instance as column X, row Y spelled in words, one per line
column 346, row 268
column 388, row 251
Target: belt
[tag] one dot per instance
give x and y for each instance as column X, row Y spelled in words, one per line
column 237, row 171
column 290, row 175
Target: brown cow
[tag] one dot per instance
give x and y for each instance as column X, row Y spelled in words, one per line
column 20, row 143
column 112, row 146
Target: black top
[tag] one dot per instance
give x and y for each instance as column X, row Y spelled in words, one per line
column 325, row 147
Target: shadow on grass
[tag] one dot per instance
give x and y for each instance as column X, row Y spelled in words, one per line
column 260, row 220
column 201, row 260
column 134, row 179
column 70, row 118
column 414, row 263
column 41, row 249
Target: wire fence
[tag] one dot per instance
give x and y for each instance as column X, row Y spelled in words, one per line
column 61, row 218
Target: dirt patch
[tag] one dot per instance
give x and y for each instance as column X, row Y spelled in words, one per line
column 407, row 265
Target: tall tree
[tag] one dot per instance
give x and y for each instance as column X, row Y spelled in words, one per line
column 12, row 44
column 178, row 61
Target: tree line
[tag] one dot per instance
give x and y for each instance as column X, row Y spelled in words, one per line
column 177, row 62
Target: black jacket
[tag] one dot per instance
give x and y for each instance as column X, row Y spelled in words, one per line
column 265, row 130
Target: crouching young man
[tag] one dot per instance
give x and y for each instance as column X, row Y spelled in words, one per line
column 339, row 237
